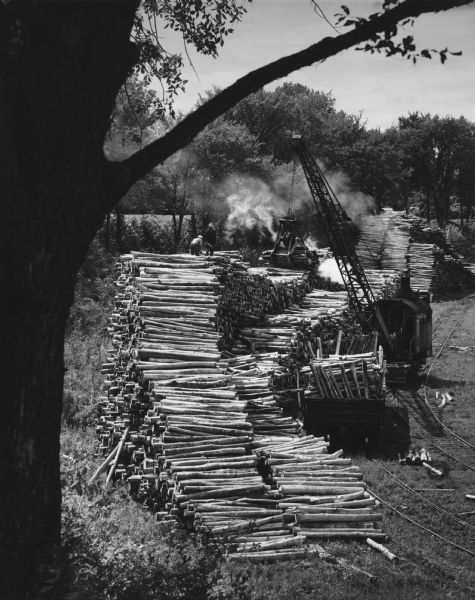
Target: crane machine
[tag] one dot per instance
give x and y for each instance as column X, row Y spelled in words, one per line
column 403, row 322
column 290, row 251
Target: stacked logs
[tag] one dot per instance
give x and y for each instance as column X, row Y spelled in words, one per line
column 369, row 246
column 255, row 387
column 421, row 266
column 198, row 436
column 321, row 312
column 268, row 339
column 396, row 242
column 383, row 241
column 204, row 448
column 383, row 282
column 446, row 270
column 350, row 377
column 322, row 495
column 249, row 294
column 318, row 304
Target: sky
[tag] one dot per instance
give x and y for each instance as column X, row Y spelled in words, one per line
column 381, row 88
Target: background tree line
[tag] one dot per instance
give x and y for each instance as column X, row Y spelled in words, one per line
column 424, row 162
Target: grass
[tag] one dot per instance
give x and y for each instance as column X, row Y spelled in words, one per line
column 113, row 548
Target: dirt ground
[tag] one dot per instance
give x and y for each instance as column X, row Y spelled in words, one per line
column 454, row 369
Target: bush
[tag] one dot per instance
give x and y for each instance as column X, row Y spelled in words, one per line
column 114, row 550
column 463, row 240
column 146, row 234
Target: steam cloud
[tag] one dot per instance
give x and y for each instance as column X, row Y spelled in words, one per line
column 251, row 205
column 357, row 204
column 311, row 242
column 329, row 269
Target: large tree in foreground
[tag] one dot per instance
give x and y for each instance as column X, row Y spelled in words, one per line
column 61, row 67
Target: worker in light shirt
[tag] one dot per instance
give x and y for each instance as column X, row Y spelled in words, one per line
column 195, row 246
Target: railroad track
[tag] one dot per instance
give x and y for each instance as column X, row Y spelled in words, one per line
column 426, row 425
column 428, row 430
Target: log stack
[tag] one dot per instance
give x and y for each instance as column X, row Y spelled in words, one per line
column 396, row 242
column 371, row 239
column 436, row 264
column 200, row 437
column 322, row 495
column 382, row 249
column 421, row 266
column 249, row 294
column 383, row 240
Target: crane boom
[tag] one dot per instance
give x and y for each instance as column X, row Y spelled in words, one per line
column 336, row 220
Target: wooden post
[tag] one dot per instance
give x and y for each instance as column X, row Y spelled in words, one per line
column 116, row 459
column 432, row 469
column 103, row 465
column 299, row 400
column 382, row 549
column 338, row 342
column 320, row 348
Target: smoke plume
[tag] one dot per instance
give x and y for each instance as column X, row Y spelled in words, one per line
column 311, row 242
column 251, row 205
column 329, row 270
column 357, row 204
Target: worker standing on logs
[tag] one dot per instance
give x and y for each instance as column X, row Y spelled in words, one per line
column 210, row 239
column 195, row 246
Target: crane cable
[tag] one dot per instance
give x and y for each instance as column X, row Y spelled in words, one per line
column 420, row 525
column 423, row 498
column 291, row 197
column 430, row 441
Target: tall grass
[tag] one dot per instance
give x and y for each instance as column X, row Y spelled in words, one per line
column 86, row 336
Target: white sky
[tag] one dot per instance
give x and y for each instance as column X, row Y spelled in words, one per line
column 383, row 88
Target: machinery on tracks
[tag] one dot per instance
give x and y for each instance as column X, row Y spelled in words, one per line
column 403, row 322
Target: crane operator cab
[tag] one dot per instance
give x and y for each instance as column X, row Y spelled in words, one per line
column 408, row 320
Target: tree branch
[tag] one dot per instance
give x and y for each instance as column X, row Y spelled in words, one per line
column 125, row 173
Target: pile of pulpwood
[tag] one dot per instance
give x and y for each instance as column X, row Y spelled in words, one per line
column 391, row 242
column 198, row 435
column 249, row 294
column 435, row 265
column 383, row 241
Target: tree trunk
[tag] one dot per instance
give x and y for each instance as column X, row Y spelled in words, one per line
column 179, row 230
column 119, row 228
column 33, row 387
column 39, row 288
column 57, row 93
column 428, row 208
column 107, row 232
column 45, row 250
column 193, row 227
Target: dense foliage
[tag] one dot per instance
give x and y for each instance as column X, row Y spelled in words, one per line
column 425, row 163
